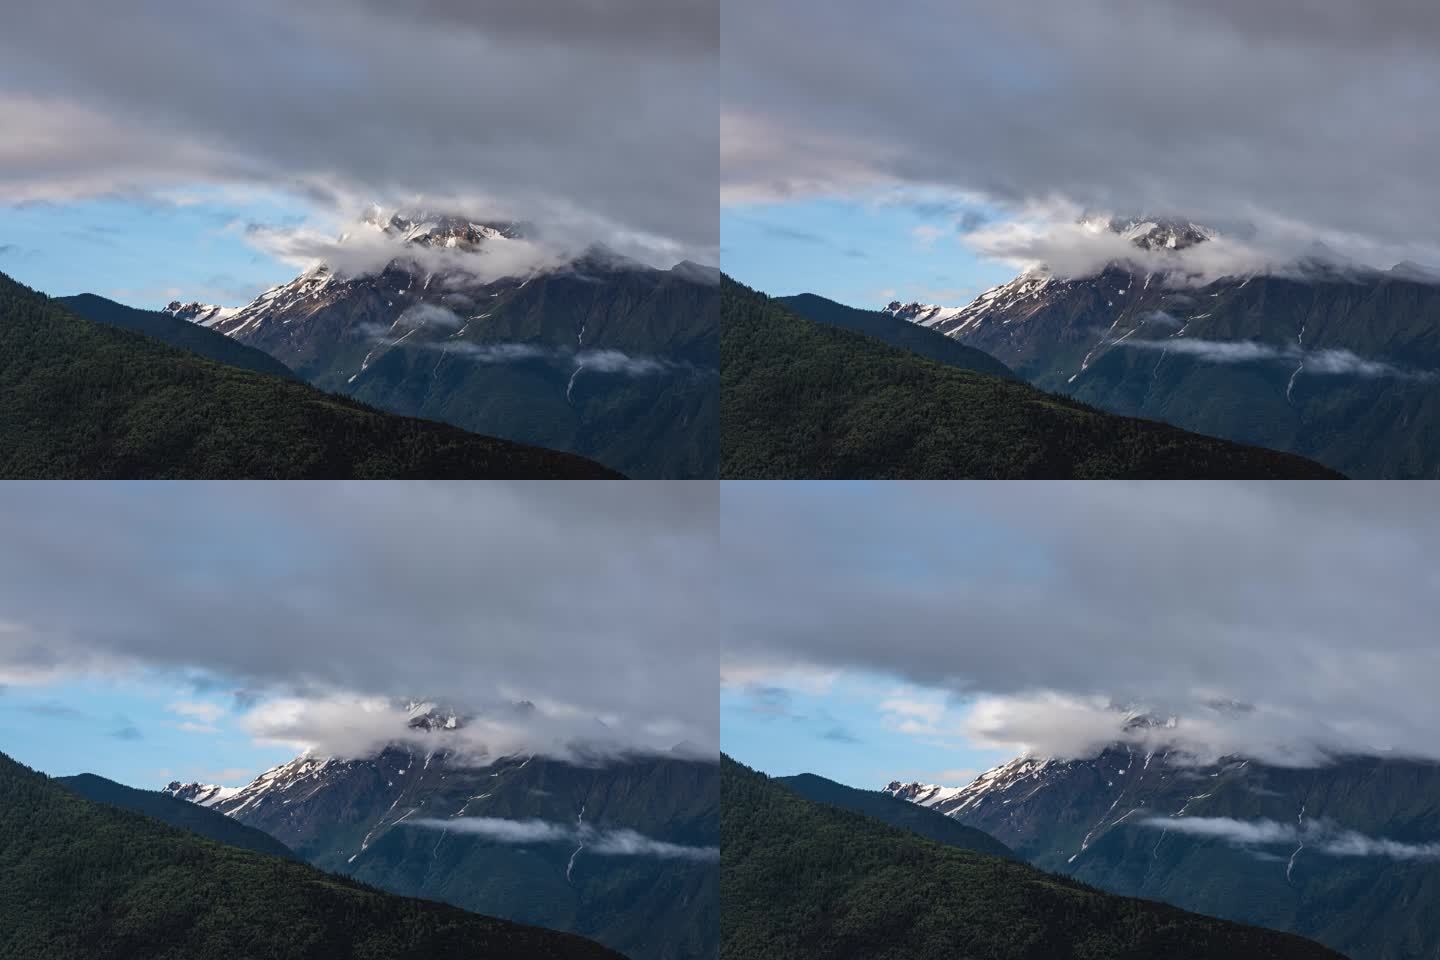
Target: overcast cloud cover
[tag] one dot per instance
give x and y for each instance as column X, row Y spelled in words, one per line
column 1283, row 123
column 592, row 121
column 320, row 606
column 1284, row 621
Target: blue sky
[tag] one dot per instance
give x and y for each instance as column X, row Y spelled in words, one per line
column 863, row 251
column 142, row 731
column 861, row 729
column 190, row 245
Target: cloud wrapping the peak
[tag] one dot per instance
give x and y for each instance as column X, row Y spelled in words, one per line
column 1282, row 621
column 597, row 119
column 1298, row 119
column 324, row 603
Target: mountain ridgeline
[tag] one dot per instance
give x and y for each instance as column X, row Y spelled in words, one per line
column 897, row 813
column 180, row 334
column 87, row 400
column 604, row 357
column 90, row 881
column 887, row 328
column 1343, row 853
column 807, row 400
column 808, row 881
column 177, row 813
column 1332, row 362
column 401, row 820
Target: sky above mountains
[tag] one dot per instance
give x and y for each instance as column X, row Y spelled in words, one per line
column 1285, row 124
column 1286, row 622
column 592, row 124
column 209, row 629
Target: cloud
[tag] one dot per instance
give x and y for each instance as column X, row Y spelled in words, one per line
column 1044, row 618
column 355, row 249
column 1330, row 362
column 614, row 843
column 207, row 712
column 596, row 118
column 1218, row 112
column 128, row 732
column 628, row 843
column 594, row 602
column 1318, row 836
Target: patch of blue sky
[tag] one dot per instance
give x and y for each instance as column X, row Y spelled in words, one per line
column 143, row 732
column 853, row 730
column 190, row 244
column 862, row 251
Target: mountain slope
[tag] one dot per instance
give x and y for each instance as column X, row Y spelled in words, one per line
column 897, row 813
column 804, row 880
column 385, row 820
column 903, row 334
column 181, row 334
column 605, row 357
column 86, row 400
column 85, row 880
column 177, row 813
column 802, row 400
column 1124, row 820
column 1338, row 364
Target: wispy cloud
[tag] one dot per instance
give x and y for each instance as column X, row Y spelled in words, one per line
column 616, row 843
column 1320, row 836
column 1328, row 362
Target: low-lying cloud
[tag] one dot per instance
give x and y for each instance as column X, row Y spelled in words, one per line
column 613, row 843
column 1331, row 362
column 1318, row 836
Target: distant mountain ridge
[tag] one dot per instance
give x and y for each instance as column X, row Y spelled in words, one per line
column 192, row 817
column 889, row 329
column 894, row 811
column 174, row 330
column 807, row 400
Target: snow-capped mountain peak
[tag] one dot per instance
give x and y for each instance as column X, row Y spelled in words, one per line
column 204, row 314
column 955, row 800
column 200, row 794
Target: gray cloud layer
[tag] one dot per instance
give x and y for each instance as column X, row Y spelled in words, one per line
column 589, row 118
column 1294, row 116
column 593, row 601
column 1284, row 621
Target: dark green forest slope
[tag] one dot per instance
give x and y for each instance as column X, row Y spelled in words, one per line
column 177, row 813
column 87, row 881
column 804, row 400
column 181, row 334
column 85, row 400
column 807, row 881
column 897, row 813
column 897, row 333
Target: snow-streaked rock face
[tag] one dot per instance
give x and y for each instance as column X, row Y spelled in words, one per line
column 1116, row 821
column 200, row 794
column 201, row 314
column 384, row 819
